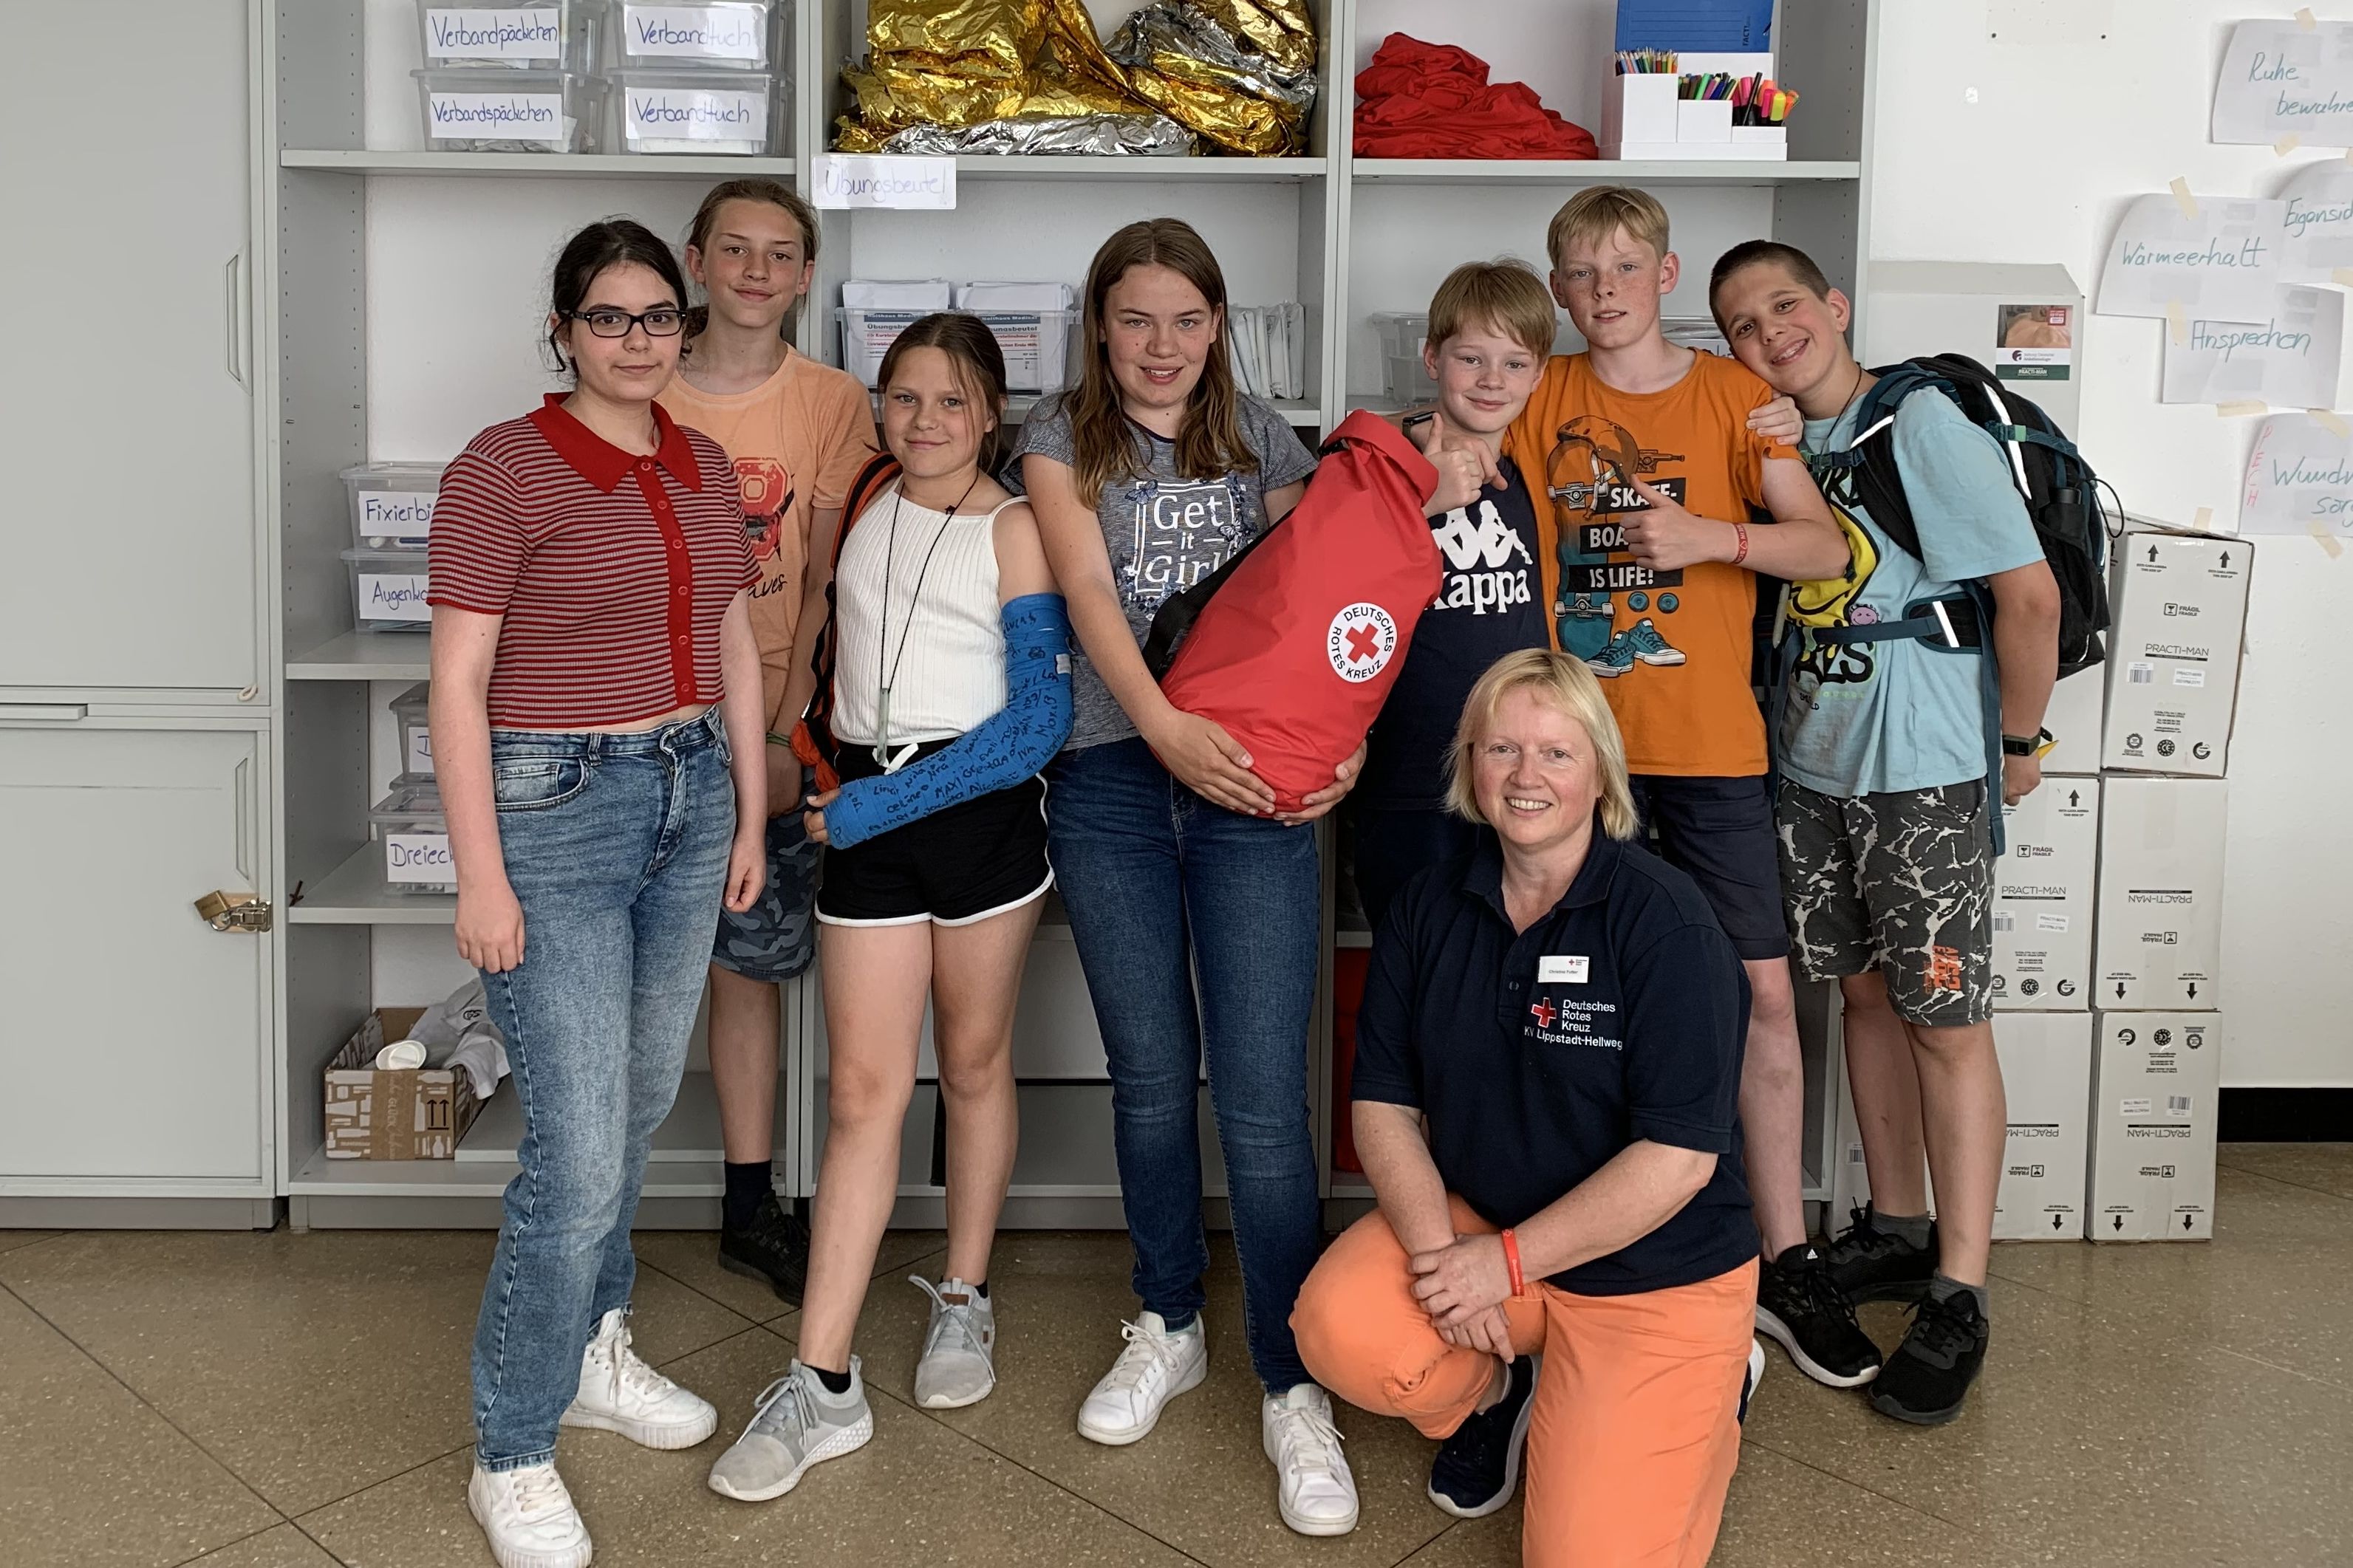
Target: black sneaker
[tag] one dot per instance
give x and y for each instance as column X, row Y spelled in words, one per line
column 1800, row 1308
column 775, row 1246
column 1930, row 1373
column 1478, row 1469
column 1873, row 1265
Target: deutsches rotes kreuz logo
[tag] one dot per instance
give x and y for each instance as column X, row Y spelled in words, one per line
column 1363, row 637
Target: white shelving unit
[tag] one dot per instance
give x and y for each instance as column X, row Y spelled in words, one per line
column 388, row 305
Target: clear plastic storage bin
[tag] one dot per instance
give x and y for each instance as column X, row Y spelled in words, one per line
column 471, row 111
column 392, row 503
column 696, row 111
column 415, row 834
column 389, row 589
column 408, row 710
column 1038, row 344
column 730, row 34
column 531, row 35
column 1402, row 375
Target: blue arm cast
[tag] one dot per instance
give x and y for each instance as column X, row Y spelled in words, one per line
column 1000, row 752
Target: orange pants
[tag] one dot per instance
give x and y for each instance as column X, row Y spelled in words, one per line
column 1636, row 1427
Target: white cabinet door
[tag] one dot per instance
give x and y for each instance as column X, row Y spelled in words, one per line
column 130, row 514
column 134, row 1037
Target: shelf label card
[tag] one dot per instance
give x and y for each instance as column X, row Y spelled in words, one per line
column 418, row 858
column 536, row 118
column 395, row 596
column 695, row 32
column 417, row 755
column 403, row 514
column 882, row 180
column 484, row 33
column 697, row 114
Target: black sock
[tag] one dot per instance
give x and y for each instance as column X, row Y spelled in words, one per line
column 835, row 1382
column 981, row 1289
column 748, row 1186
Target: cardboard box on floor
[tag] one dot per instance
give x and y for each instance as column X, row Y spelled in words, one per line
column 2156, row 1092
column 2180, row 604
column 2078, row 703
column 379, row 1113
column 2046, row 1076
column 2043, row 887
column 2160, row 915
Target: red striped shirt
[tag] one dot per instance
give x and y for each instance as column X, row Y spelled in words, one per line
column 612, row 592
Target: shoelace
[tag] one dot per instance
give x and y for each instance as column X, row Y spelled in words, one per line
column 1146, row 1352
column 631, row 1374
column 1942, row 1331
column 1860, row 1238
column 539, row 1491
column 782, row 1409
column 953, row 1325
column 1817, row 1294
column 1308, row 1441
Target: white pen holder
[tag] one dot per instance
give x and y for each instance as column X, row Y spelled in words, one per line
column 1642, row 118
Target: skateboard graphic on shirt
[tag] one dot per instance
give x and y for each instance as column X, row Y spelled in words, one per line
column 1589, row 478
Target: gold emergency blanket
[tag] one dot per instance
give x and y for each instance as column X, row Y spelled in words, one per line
column 1032, row 76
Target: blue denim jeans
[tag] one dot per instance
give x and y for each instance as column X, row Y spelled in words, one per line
column 1169, row 895
column 616, row 847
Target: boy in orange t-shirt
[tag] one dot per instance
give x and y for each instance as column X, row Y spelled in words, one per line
column 1654, row 473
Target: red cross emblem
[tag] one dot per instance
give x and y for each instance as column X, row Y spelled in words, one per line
column 1544, row 1013
column 1364, row 642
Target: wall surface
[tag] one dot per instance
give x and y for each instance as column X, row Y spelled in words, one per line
column 2027, row 147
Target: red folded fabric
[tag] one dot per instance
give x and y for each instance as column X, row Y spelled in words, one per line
column 1433, row 100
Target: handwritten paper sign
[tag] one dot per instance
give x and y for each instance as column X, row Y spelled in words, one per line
column 2300, row 479
column 877, row 180
column 2319, row 222
column 2289, row 361
column 2282, row 79
column 2218, row 263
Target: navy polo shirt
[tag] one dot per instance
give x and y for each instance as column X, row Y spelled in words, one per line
column 1538, row 1056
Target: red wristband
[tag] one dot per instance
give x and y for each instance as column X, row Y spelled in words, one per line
column 1741, row 553
column 1512, row 1262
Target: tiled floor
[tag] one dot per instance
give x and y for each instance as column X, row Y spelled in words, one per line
column 278, row 1401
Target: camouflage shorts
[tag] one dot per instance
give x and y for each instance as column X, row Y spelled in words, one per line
column 777, row 937
column 1902, row 883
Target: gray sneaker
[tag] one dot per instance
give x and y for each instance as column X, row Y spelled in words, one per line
column 959, row 1361
column 795, row 1425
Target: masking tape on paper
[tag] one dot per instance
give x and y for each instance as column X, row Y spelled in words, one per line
column 2287, row 144
column 2238, row 408
column 2203, row 520
column 2178, row 321
column 2327, row 539
column 2330, row 421
column 2304, row 18
column 2341, row 276
column 2182, row 198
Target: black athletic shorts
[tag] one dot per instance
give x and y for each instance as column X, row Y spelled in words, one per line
column 956, row 867
column 1719, row 832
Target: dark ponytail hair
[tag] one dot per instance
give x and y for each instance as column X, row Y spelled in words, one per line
column 979, row 364
column 607, row 242
column 776, row 194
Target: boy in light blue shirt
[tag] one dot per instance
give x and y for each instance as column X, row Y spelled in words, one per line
column 1884, row 825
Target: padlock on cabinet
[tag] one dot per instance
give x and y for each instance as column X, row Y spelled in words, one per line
column 227, row 912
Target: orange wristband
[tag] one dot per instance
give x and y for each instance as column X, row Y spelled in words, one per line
column 1740, row 553
column 1512, row 1262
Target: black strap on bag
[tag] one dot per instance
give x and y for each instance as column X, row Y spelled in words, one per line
column 813, row 738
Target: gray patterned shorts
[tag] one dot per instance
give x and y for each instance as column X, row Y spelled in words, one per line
column 777, row 937
column 1902, row 883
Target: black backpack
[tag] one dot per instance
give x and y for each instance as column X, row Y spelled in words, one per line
column 2059, row 488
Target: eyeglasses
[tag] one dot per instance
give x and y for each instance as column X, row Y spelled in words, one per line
column 663, row 321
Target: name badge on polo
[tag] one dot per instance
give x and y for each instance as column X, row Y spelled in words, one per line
column 1563, row 969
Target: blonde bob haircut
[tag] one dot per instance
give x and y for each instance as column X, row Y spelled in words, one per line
column 1597, row 211
column 1571, row 689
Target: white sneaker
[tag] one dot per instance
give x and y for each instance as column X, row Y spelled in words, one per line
column 959, row 1361
column 1155, row 1368
column 620, row 1393
column 1313, row 1486
column 528, row 1516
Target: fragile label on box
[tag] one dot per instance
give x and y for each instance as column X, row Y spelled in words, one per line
column 406, row 514
column 695, row 32
column 418, row 858
column 699, row 117
column 536, row 118
column 480, row 33
column 395, row 596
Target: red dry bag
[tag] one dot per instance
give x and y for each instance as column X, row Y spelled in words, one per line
column 1293, row 644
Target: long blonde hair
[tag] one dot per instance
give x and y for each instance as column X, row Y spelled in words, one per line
column 1210, row 441
column 1569, row 688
